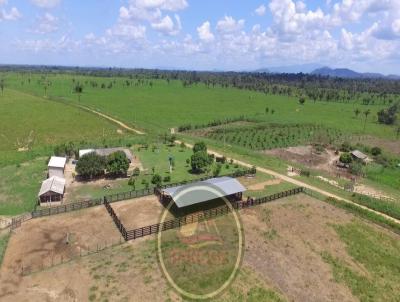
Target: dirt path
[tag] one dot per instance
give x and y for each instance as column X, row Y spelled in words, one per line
column 121, row 124
column 297, row 183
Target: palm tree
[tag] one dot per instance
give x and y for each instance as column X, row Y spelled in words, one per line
column 366, row 113
column 357, row 112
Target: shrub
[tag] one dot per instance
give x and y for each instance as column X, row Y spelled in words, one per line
column 167, row 178
column 117, row 164
column 91, row 165
column 217, row 170
column 346, row 158
column 345, row 147
column 375, row 151
column 306, row 173
column 132, row 182
column 356, row 168
column 156, row 180
column 199, row 161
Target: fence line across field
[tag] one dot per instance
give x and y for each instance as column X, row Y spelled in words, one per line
column 201, row 216
column 121, row 196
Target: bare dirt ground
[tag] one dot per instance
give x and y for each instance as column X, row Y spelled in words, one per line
column 39, row 242
column 283, row 245
column 306, row 155
column 139, row 212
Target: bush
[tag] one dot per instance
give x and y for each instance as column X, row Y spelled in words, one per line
column 306, row 173
column 132, row 182
column 375, row 151
column 156, row 180
column 167, row 178
column 199, row 161
column 117, row 164
column 356, row 168
column 91, row 165
column 217, row 170
column 346, row 158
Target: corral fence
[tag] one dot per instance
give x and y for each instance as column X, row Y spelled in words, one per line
column 115, row 218
column 205, row 215
column 75, row 206
column 17, row 221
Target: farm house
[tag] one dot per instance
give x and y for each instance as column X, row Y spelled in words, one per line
column 107, row 151
column 52, row 190
column 56, row 166
column 227, row 187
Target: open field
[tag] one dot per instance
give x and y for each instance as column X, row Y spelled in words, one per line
column 28, row 122
column 296, row 249
column 20, row 184
column 192, row 104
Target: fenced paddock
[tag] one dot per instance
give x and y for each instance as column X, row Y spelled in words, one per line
column 200, row 216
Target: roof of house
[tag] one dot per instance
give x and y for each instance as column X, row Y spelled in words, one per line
column 85, row 151
column 57, row 162
column 359, row 154
column 107, row 151
column 202, row 191
column 53, row 184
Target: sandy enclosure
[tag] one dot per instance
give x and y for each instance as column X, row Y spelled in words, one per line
column 39, row 242
column 139, row 212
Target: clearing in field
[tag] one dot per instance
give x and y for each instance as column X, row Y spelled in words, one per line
column 297, row 249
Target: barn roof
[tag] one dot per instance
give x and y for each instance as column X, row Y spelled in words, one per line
column 57, row 162
column 53, row 184
column 224, row 186
column 358, row 154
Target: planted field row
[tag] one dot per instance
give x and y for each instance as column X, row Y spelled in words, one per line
column 276, row 136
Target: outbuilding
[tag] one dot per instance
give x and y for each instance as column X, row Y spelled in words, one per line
column 52, row 190
column 56, row 166
column 203, row 192
column 358, row 155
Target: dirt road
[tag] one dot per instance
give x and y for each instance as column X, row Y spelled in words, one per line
column 121, row 124
column 297, row 183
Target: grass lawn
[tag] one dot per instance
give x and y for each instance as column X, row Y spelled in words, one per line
column 157, row 159
column 164, row 105
column 19, row 186
column 378, row 253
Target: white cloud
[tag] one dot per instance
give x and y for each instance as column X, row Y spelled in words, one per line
column 128, row 31
column 205, row 33
column 261, row 10
column 229, row 25
column 46, row 3
column 10, row 15
column 167, row 26
column 46, row 24
column 171, row 5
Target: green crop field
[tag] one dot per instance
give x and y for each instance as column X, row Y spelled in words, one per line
column 270, row 136
column 164, row 105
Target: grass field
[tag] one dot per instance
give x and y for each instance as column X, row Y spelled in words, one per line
column 378, row 253
column 20, row 184
column 162, row 105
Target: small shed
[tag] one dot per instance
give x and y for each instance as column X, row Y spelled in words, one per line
column 52, row 190
column 358, row 155
column 227, row 187
column 56, row 166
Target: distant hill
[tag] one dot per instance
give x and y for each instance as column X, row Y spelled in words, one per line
column 351, row 74
column 304, row 68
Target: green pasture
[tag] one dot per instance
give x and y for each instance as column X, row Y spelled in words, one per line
column 30, row 122
column 165, row 105
column 19, row 186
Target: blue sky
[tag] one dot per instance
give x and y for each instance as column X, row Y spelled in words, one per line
column 202, row 34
